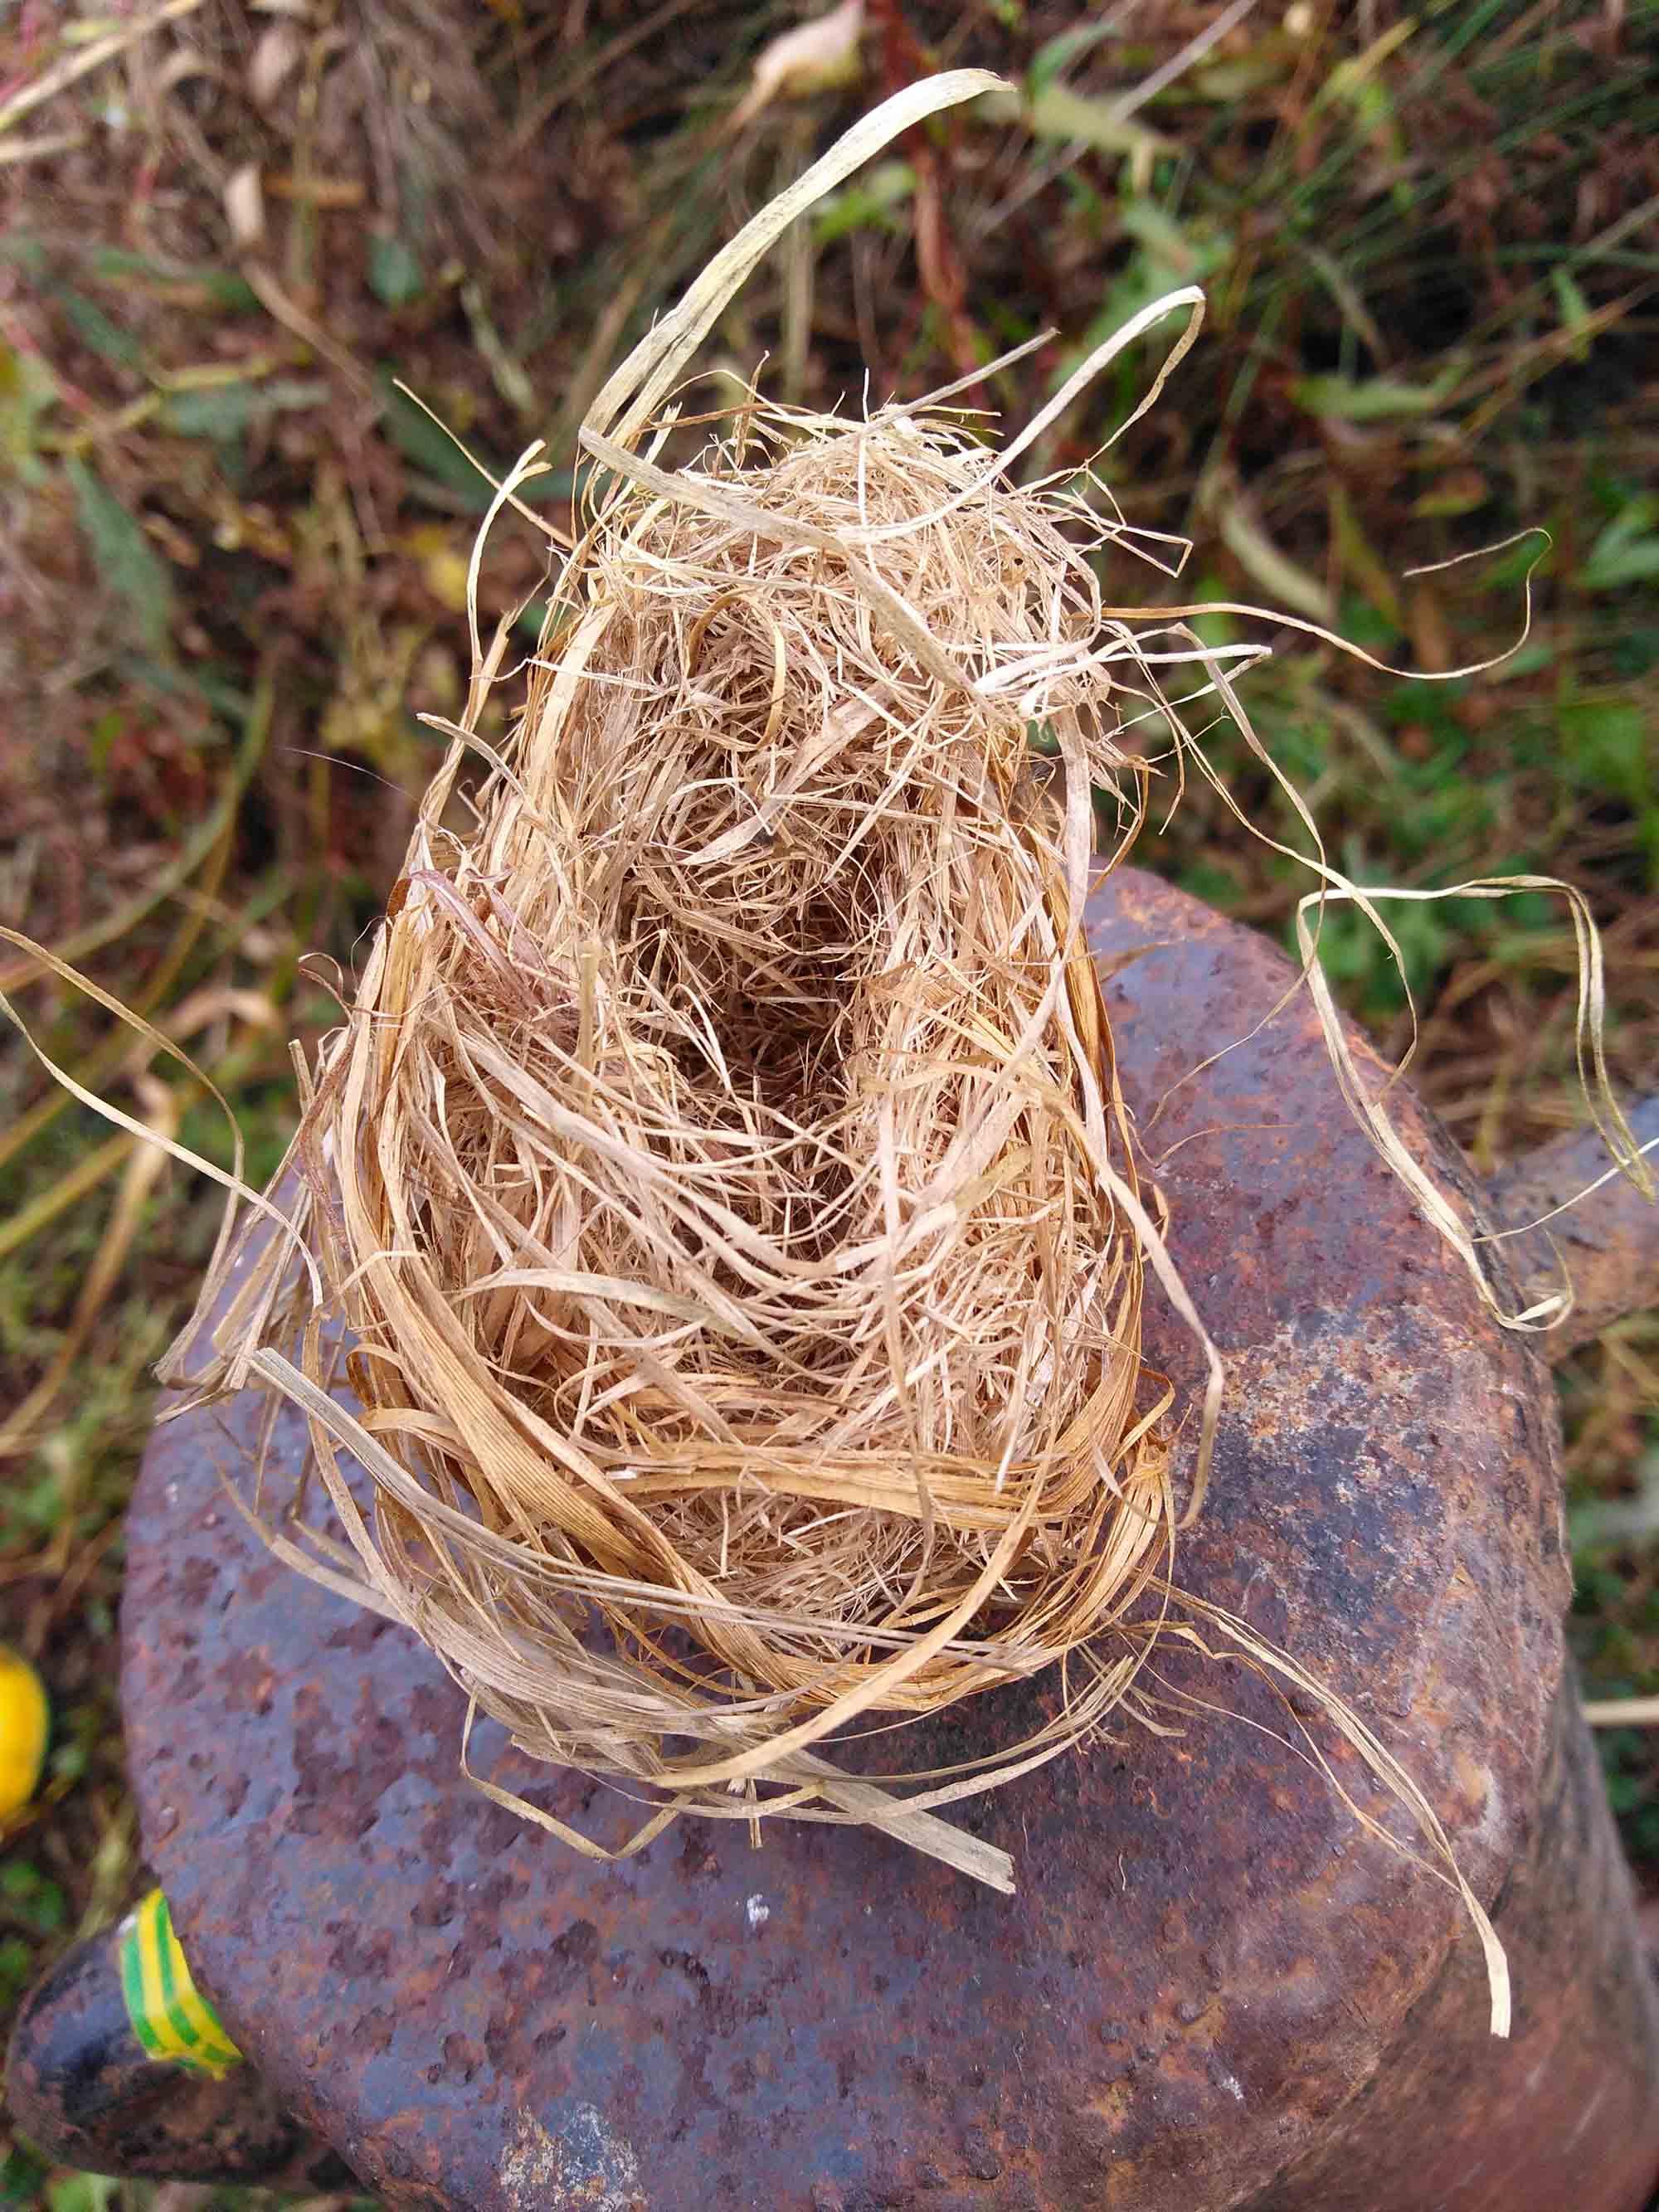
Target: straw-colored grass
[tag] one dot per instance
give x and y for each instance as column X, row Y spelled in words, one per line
column 723, row 1173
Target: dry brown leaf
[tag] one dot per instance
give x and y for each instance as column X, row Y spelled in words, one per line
column 821, row 56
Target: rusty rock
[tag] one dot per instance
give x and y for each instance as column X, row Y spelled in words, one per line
column 1212, row 1989
column 1608, row 1244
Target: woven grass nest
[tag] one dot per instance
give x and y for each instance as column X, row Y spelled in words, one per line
column 721, row 1172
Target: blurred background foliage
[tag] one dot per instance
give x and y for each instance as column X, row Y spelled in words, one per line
column 232, row 560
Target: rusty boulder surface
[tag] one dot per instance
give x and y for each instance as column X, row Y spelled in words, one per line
column 1607, row 1245
column 1213, row 1988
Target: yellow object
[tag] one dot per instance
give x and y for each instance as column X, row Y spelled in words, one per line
column 24, row 1720
column 169, row 2014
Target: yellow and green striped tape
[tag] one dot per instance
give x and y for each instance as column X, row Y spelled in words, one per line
column 169, row 2014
